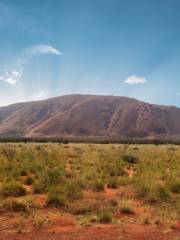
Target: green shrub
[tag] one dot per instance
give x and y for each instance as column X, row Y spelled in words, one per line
column 174, row 186
column 98, row 185
column 12, row 189
column 125, row 180
column 38, row 187
column 126, row 207
column 52, row 176
column 113, row 183
column 80, row 208
column 159, row 194
column 127, row 210
column 113, row 202
column 130, row 159
column 15, row 206
column 73, row 190
column 23, row 173
column 29, row 181
column 56, row 200
column 153, row 192
column 105, row 216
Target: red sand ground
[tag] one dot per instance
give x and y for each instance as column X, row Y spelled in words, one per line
column 65, row 227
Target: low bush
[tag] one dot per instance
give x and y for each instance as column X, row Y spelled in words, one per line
column 29, row 181
column 105, row 216
column 174, row 185
column 56, row 200
column 52, row 176
column 125, row 180
column 73, row 190
column 113, row 202
column 15, row 206
column 23, row 173
column 81, row 208
column 12, row 189
column 38, row 187
column 98, row 185
column 113, row 183
column 126, row 207
column 127, row 210
column 153, row 192
column 130, row 159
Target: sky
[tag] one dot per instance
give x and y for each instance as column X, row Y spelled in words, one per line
column 107, row 47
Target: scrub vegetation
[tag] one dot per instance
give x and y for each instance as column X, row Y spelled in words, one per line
column 97, row 184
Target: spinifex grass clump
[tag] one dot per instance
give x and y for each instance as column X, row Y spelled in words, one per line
column 113, row 182
column 174, row 185
column 12, row 189
column 130, row 159
column 105, row 216
column 126, row 207
column 15, row 206
column 98, row 185
column 29, row 180
column 152, row 191
column 56, row 199
column 73, row 190
column 61, row 195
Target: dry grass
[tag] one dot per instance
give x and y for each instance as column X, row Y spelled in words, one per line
column 65, row 173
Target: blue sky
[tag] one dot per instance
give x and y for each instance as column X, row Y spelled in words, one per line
column 108, row 47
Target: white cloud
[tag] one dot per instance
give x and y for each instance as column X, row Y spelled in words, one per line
column 11, row 80
column 135, row 80
column 41, row 49
column 14, row 75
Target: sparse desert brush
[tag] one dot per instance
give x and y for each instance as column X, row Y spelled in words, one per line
column 52, row 176
column 56, row 200
column 12, row 189
column 125, row 180
column 105, row 216
column 126, row 207
column 174, row 185
column 113, row 202
column 92, row 167
column 73, row 190
column 23, row 173
column 130, row 159
column 98, row 185
column 86, row 207
column 112, row 182
column 82, row 207
column 8, row 151
column 29, row 180
column 38, row 187
column 152, row 191
column 15, row 206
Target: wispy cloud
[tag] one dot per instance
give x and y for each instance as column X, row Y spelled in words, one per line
column 135, row 80
column 41, row 49
column 13, row 75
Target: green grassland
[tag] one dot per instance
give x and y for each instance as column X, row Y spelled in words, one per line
column 74, row 178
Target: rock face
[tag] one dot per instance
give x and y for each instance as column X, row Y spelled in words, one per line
column 89, row 116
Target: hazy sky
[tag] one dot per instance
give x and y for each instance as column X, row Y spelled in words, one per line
column 110, row 47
